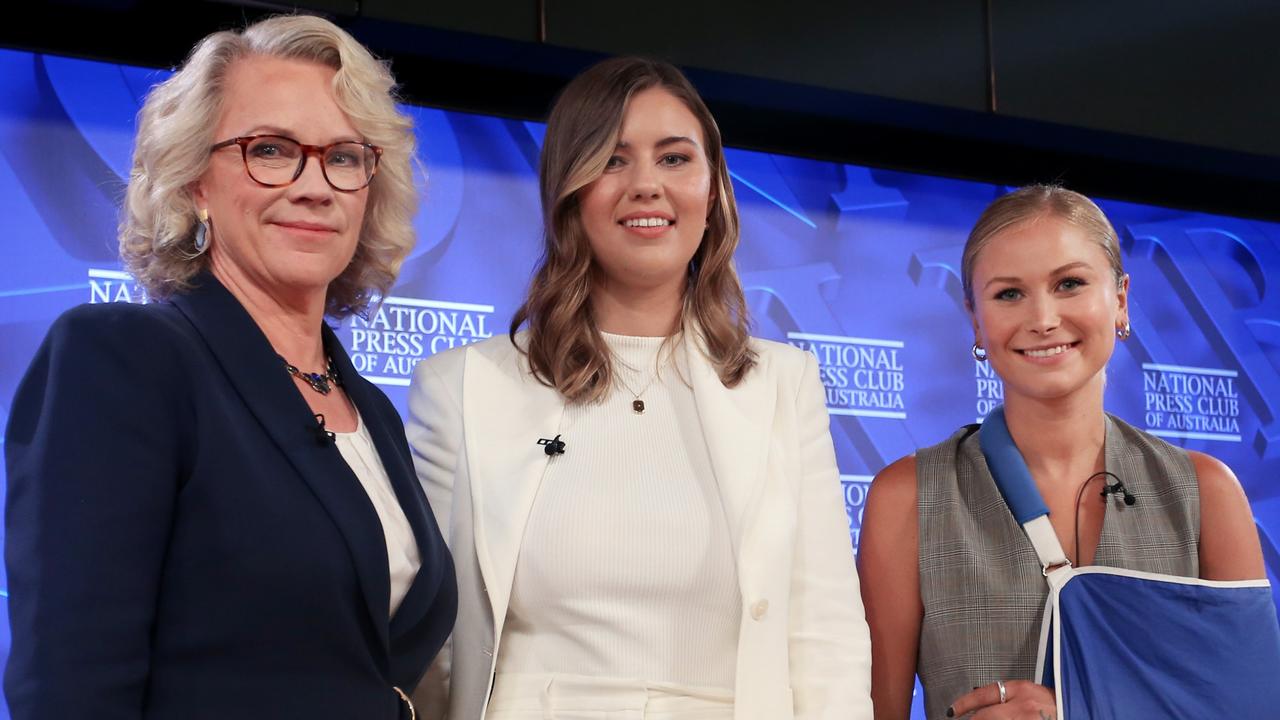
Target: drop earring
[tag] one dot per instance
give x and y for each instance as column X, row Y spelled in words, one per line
column 979, row 353
column 202, row 231
column 1124, row 331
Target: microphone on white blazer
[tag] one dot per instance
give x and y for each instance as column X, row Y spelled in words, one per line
column 553, row 446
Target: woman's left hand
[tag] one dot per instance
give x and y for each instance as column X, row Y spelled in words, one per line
column 1023, row 700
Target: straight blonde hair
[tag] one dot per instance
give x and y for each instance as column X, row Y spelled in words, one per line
column 1033, row 202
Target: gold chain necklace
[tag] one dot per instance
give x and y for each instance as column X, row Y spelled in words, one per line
column 637, row 404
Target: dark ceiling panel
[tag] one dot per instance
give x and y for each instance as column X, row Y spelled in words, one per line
column 510, row 19
column 1183, row 70
column 928, row 51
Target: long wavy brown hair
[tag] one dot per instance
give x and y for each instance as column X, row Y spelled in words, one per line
column 564, row 347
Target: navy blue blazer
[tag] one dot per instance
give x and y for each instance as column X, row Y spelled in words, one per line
column 183, row 543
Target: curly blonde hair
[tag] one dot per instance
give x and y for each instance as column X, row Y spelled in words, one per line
column 564, row 346
column 175, row 130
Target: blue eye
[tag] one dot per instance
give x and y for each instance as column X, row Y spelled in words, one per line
column 674, row 160
column 1071, row 283
column 342, row 159
column 1008, row 294
column 265, row 150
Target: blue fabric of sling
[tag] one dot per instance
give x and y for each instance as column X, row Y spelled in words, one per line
column 1009, row 469
column 1124, row 644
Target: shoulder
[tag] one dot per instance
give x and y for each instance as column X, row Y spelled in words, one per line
column 897, row 480
column 114, row 358
column 781, row 360
column 886, row 541
column 114, row 320
column 779, row 353
column 1215, row 478
column 449, row 366
column 947, row 451
column 131, row 334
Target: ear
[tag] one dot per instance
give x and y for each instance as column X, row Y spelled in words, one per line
column 1122, row 299
column 198, row 196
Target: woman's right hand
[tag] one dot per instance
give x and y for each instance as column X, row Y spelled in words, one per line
column 1023, row 700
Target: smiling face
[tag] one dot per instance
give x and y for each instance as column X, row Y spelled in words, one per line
column 1046, row 308
column 645, row 216
column 282, row 240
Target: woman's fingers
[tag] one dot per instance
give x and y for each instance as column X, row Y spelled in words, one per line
column 1023, row 699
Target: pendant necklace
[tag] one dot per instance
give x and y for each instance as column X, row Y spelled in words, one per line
column 318, row 382
column 637, row 404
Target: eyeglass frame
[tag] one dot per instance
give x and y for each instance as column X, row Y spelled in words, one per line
column 307, row 151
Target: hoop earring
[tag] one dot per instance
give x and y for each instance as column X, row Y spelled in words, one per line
column 202, row 231
column 1124, row 332
column 979, row 353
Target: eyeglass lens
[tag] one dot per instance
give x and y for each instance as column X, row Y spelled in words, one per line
column 277, row 161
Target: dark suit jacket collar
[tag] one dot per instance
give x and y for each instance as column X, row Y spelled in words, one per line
column 254, row 370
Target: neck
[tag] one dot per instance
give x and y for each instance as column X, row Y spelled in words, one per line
column 291, row 321
column 1059, row 438
column 652, row 312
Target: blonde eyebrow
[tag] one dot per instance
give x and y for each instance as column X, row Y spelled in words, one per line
column 1015, row 280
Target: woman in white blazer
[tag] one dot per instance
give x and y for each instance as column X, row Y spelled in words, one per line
column 642, row 501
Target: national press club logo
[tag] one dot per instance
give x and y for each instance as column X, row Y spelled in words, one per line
column 386, row 346
column 1191, row 402
column 863, row 377
column 989, row 389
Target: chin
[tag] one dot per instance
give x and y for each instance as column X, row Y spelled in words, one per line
column 1051, row 388
column 306, row 273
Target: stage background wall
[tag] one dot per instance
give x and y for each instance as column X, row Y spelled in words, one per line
column 858, row 264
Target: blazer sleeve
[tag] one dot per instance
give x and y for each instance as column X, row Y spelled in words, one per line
column 830, row 645
column 434, row 430
column 93, row 455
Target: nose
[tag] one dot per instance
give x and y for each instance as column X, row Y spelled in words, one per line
column 311, row 184
column 644, row 184
column 1043, row 317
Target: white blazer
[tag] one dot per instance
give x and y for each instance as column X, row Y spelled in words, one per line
column 804, row 650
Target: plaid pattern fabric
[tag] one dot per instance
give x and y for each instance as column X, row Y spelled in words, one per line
column 980, row 581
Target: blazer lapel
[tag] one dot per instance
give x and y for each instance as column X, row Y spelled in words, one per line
column 257, row 375
column 735, row 423
column 388, row 440
column 505, row 412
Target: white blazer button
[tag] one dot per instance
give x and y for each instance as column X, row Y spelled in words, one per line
column 759, row 609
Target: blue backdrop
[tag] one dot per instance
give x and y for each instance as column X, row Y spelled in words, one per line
column 858, row 265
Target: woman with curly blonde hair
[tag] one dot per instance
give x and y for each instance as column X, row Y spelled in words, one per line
column 210, row 513
column 643, row 499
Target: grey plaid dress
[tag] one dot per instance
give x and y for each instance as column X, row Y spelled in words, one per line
column 980, row 582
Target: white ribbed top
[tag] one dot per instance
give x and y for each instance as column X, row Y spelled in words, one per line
column 626, row 569
column 403, row 559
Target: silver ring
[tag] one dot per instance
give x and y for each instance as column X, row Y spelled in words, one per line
column 1004, row 696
